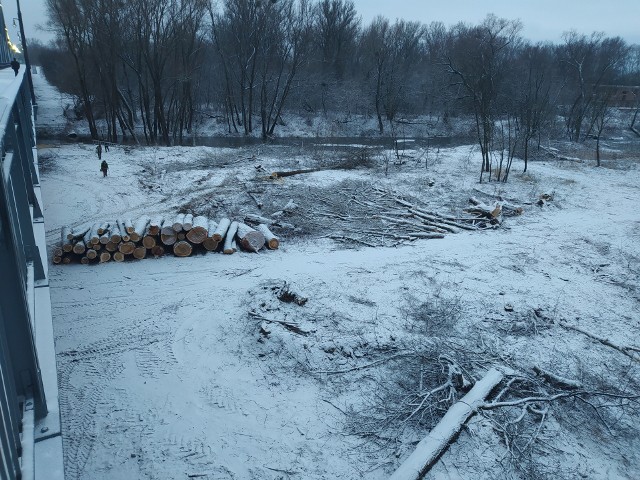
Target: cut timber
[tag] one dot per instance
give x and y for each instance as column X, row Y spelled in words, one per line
column 181, row 236
column 272, row 241
column 118, row 256
column 168, row 239
column 199, row 231
column 229, row 241
column 94, row 235
column 58, row 252
column 157, row 251
column 167, row 228
column 79, row 232
column 67, row 244
column 79, row 248
column 154, row 226
column 182, row 249
column 84, row 260
column 187, row 223
column 87, row 239
column 66, row 260
column 105, row 237
column 221, row 230
column 140, row 253
column 250, row 239
column 57, row 259
column 139, row 229
column 149, row 241
column 91, row 254
column 105, row 257
column 102, row 228
column 209, row 243
column 111, row 247
column 114, row 234
column 126, row 248
column 129, row 226
column 431, row 447
column 177, row 222
column 123, row 231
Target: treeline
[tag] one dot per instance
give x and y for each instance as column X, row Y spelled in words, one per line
column 159, row 63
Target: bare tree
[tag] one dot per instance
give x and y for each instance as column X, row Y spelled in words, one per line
column 478, row 59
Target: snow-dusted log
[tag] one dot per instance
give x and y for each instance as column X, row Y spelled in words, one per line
column 250, row 239
column 105, row 237
column 167, row 227
column 177, row 222
column 103, row 227
column 84, row 260
column 91, row 254
column 209, row 243
column 139, row 229
column 169, row 239
column 140, row 253
column 79, row 247
column 199, row 230
column 123, row 231
column 105, row 257
column 111, row 246
column 154, row 226
column 57, row 259
column 78, row 232
column 149, row 241
column 126, row 248
column 229, row 240
column 67, row 243
column 438, row 439
column 118, row 256
column 157, row 251
column 251, row 218
column 94, row 236
column 114, row 233
column 187, row 223
column 182, row 249
column 272, row 241
column 221, row 229
column 129, row 226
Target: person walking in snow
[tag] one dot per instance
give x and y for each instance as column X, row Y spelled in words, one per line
column 99, row 151
column 15, row 64
column 104, row 166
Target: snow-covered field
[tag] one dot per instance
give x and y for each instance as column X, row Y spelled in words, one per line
column 164, row 374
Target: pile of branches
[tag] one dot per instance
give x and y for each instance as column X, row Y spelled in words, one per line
column 181, row 235
column 371, row 216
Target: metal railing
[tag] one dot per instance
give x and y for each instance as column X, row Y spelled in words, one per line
column 22, row 396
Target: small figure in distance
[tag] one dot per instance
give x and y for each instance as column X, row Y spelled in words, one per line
column 99, row 151
column 104, row 166
column 15, row 64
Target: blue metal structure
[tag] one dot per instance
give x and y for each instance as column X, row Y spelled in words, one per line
column 29, row 412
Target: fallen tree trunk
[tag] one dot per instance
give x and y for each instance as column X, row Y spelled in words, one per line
column 439, row 438
column 250, row 239
column 272, row 241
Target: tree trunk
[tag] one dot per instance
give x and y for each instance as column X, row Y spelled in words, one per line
column 250, row 239
column 272, row 241
column 221, row 229
column 431, row 447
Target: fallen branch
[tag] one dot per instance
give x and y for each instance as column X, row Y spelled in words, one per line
column 630, row 352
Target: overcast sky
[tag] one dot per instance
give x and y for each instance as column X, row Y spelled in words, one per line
column 542, row 19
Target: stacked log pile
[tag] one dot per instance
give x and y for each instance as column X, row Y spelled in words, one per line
column 182, row 235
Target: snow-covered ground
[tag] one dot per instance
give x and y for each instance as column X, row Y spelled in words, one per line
column 164, row 374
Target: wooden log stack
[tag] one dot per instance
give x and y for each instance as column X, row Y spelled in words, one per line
column 183, row 234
